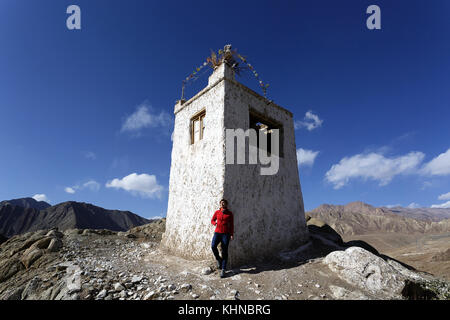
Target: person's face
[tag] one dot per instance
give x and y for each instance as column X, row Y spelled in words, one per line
column 223, row 204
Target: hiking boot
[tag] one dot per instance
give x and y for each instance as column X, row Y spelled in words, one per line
column 222, row 273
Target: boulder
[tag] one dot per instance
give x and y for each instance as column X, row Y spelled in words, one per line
column 207, row 270
column 324, row 231
column 30, row 256
column 366, row 271
column 54, row 234
column 42, row 243
column 27, row 244
column 54, row 245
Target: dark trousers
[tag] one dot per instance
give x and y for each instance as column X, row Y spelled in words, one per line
column 224, row 239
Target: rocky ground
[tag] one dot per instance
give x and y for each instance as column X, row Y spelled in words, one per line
column 105, row 265
column 430, row 253
column 419, row 237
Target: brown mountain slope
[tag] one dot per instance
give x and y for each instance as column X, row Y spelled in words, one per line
column 357, row 218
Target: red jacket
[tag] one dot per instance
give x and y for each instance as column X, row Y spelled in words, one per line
column 223, row 222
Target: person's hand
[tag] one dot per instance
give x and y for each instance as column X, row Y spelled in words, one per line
column 232, row 238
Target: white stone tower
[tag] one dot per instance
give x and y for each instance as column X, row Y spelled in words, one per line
column 268, row 209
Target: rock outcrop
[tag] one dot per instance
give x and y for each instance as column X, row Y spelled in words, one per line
column 366, row 271
column 386, row 278
column 31, row 250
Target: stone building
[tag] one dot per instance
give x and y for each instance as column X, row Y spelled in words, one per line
column 268, row 209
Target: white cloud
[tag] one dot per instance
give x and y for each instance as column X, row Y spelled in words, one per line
column 90, row 155
column 142, row 118
column 442, row 205
column 306, row 157
column 439, row 165
column 389, row 206
column 122, row 163
column 311, row 121
column 91, row 185
column 40, row 197
column 144, row 185
column 413, row 205
column 445, row 196
column 426, row 184
column 69, row 190
column 372, row 166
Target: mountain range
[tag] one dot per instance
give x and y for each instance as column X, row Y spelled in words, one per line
column 26, row 214
column 357, row 218
column 26, row 203
column 432, row 214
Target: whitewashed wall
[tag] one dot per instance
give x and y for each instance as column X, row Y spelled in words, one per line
column 196, row 176
column 268, row 210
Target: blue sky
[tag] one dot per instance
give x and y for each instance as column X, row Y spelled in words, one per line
column 86, row 115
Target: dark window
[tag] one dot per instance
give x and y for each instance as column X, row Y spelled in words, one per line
column 266, row 125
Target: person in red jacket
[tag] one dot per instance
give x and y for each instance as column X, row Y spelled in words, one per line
column 223, row 220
